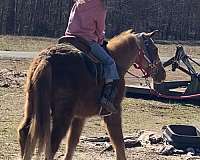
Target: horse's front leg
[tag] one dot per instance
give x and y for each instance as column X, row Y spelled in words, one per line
column 114, row 127
column 73, row 137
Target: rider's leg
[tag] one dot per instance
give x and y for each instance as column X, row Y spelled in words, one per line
column 110, row 75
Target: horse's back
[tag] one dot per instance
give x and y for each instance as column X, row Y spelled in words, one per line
column 67, row 64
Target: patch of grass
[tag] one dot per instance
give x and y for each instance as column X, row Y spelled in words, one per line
column 137, row 114
column 168, row 50
column 152, row 115
column 11, row 109
column 25, row 43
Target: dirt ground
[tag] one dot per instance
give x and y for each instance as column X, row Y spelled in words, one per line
column 138, row 115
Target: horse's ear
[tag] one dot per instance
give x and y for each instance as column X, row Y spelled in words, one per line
column 151, row 33
column 132, row 30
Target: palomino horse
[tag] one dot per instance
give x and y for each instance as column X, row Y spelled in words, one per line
column 61, row 94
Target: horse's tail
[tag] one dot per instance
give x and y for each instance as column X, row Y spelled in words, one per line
column 38, row 86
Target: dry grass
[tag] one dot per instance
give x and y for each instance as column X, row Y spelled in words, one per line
column 138, row 114
column 169, row 49
column 22, row 43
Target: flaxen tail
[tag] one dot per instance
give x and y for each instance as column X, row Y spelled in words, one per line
column 39, row 87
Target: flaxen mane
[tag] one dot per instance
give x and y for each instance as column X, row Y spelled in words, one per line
column 123, row 39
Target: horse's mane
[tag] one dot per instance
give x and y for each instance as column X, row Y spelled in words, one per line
column 124, row 40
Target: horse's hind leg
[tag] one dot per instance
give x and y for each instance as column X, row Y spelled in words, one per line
column 73, row 137
column 61, row 122
column 113, row 124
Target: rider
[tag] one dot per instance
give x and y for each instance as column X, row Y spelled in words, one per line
column 87, row 20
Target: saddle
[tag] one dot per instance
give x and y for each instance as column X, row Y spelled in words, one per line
column 93, row 64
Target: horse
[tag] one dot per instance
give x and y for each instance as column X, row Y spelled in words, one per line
column 60, row 94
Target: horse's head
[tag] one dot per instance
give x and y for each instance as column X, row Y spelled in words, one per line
column 148, row 59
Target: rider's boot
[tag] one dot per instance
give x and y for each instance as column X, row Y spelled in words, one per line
column 107, row 97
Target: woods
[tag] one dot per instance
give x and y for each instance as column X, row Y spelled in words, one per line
column 33, row 17
column 176, row 19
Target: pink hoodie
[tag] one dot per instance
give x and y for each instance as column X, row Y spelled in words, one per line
column 87, row 19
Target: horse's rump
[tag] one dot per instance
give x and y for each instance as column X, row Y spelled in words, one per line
column 67, row 65
column 56, row 72
column 70, row 74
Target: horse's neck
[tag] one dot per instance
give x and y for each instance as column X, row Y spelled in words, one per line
column 124, row 57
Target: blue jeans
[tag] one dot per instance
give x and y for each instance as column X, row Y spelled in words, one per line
column 109, row 66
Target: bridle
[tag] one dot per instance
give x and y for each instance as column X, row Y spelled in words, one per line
column 146, row 53
column 152, row 69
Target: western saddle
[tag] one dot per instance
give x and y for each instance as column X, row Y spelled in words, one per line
column 79, row 43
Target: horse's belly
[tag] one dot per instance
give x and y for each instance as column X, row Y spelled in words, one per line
column 87, row 107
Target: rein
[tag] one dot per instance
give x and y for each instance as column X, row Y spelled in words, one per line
column 146, row 75
column 142, row 56
column 158, row 94
column 145, row 54
column 152, row 69
column 152, row 90
column 151, row 66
